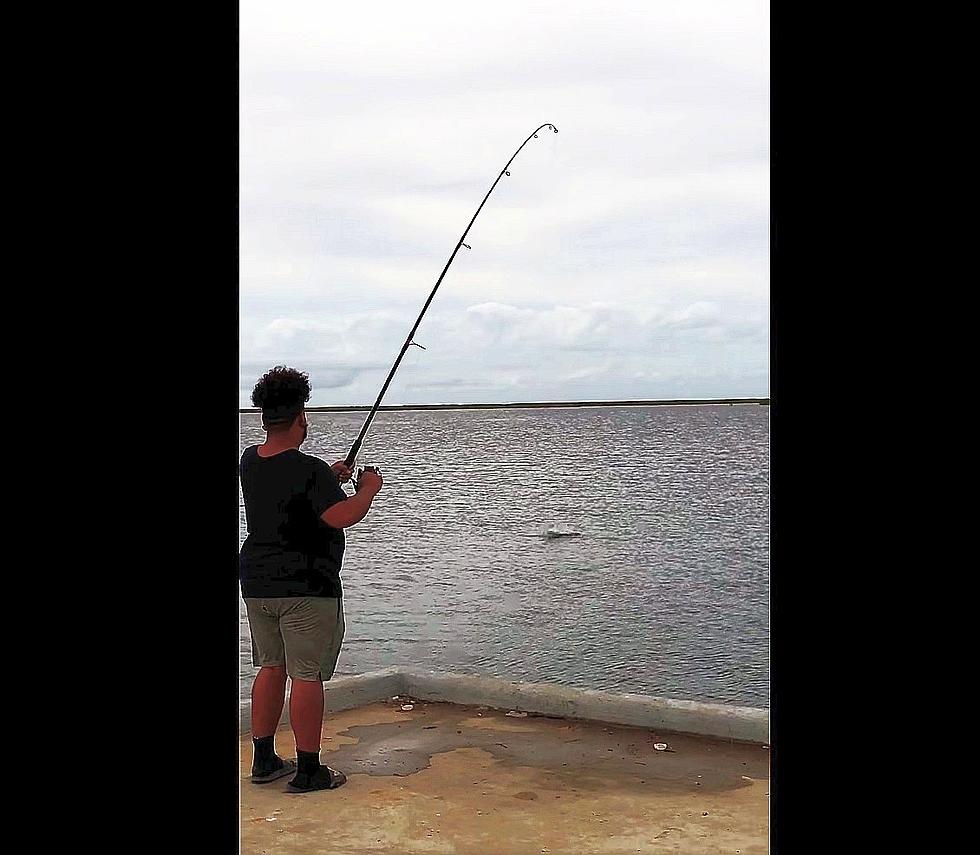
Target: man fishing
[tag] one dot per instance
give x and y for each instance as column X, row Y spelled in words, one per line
column 289, row 569
column 290, row 562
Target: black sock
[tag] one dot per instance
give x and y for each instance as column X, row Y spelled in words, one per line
column 265, row 751
column 308, row 762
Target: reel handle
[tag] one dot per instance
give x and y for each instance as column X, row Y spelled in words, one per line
column 357, row 480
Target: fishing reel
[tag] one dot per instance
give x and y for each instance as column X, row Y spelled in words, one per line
column 360, row 472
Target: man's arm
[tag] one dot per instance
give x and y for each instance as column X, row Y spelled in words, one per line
column 352, row 510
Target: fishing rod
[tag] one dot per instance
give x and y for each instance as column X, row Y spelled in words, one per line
column 356, row 447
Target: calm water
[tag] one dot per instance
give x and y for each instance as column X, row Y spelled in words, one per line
column 665, row 591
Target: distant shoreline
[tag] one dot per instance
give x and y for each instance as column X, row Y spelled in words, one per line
column 535, row 405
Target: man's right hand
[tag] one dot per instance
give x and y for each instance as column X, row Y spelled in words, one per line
column 370, row 480
column 351, row 512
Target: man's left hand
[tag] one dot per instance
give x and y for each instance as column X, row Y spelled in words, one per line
column 343, row 472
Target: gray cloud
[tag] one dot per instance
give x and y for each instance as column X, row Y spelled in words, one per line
column 626, row 256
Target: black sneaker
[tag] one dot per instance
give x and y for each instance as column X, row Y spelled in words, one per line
column 324, row 778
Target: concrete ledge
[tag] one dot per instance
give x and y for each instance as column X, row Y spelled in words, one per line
column 743, row 724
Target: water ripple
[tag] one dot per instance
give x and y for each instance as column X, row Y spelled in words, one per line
column 665, row 591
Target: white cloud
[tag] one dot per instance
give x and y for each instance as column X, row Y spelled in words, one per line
column 534, row 351
column 639, row 232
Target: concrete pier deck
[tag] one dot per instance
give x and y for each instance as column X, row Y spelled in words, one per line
column 471, row 780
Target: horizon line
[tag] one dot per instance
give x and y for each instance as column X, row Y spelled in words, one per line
column 517, row 405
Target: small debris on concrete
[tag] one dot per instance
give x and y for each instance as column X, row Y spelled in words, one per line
column 516, row 714
column 660, row 746
column 407, row 707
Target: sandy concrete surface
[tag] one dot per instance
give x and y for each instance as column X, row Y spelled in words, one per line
column 442, row 778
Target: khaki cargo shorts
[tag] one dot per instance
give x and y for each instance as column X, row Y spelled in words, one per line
column 302, row 633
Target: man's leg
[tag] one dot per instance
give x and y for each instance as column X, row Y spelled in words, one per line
column 268, row 690
column 268, row 697
column 306, row 713
column 312, row 631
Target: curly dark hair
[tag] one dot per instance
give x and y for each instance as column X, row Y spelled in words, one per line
column 281, row 394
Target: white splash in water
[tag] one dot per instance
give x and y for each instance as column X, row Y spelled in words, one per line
column 561, row 531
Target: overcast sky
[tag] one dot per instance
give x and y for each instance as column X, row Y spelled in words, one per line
column 625, row 257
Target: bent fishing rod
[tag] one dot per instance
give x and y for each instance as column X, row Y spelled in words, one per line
column 356, row 447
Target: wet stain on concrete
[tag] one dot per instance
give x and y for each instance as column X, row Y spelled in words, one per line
column 584, row 755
